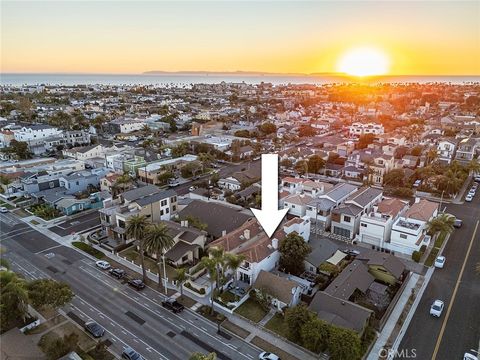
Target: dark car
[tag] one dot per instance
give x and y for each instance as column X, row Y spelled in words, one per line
column 458, row 223
column 137, row 284
column 351, row 252
column 118, row 273
column 94, row 328
column 130, row 354
column 172, row 305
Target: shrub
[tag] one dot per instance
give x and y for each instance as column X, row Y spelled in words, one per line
column 88, row 249
column 416, row 255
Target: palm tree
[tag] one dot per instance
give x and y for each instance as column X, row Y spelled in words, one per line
column 218, row 255
column 474, row 166
column 233, row 262
column 211, row 265
column 443, row 223
column 432, row 155
column 180, row 277
column 123, row 180
column 136, row 226
column 157, row 240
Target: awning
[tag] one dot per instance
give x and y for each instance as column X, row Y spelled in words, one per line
column 337, row 257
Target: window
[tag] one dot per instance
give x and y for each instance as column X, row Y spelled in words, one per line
column 174, row 208
column 167, row 210
column 161, row 212
column 363, row 225
column 341, row 232
column 347, row 218
column 403, row 236
column 173, row 199
column 121, row 224
column 163, row 203
column 185, row 258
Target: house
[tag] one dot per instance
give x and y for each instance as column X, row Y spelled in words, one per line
column 229, row 183
column 219, row 219
column 125, row 126
column 322, row 250
column 381, row 165
column 346, row 217
column 36, row 133
column 383, row 267
column 320, row 209
column 81, row 180
column 260, row 252
column 150, row 173
column 70, row 206
column 357, row 129
column 409, row 231
column 281, row 291
column 354, row 277
column 84, row 152
column 376, row 225
column 154, row 203
column 338, row 312
column 297, row 204
column 245, row 152
column 446, row 150
column 466, row 149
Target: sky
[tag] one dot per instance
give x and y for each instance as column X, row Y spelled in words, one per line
column 415, row 37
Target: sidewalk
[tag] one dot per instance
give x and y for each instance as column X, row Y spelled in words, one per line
column 460, row 196
column 393, row 319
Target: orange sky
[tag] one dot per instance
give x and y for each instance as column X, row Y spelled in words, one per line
column 425, row 38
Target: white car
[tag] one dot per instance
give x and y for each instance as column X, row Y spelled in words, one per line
column 3, row 209
column 437, row 308
column 102, row 264
column 192, row 188
column 469, row 356
column 440, row 262
column 471, row 192
column 268, row 356
column 468, row 198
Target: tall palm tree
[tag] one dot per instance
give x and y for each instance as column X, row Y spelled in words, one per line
column 432, row 155
column 443, row 223
column 211, row 265
column 180, row 277
column 123, row 181
column 233, row 262
column 157, row 240
column 136, row 227
column 474, row 166
column 218, row 255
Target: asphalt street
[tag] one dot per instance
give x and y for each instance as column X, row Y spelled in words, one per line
column 461, row 325
column 130, row 318
column 77, row 224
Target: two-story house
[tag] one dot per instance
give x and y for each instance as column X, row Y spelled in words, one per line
column 409, row 232
column 466, row 149
column 346, row 217
column 446, row 150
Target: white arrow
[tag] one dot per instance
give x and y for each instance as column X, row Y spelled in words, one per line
column 269, row 217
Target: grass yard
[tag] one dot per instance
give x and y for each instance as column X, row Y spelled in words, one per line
column 84, row 341
column 266, row 346
column 7, row 205
column 88, row 249
column 251, row 310
column 278, row 325
column 237, row 330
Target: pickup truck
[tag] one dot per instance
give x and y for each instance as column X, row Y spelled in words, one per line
column 172, row 305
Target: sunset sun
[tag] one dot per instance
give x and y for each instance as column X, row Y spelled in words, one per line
column 363, row 62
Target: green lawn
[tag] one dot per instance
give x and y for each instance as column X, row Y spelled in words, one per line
column 278, row 325
column 88, row 249
column 251, row 310
column 4, row 204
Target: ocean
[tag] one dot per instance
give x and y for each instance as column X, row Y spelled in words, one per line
column 188, row 79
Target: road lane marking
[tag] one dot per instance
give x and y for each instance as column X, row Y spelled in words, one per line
column 50, row 248
column 457, row 284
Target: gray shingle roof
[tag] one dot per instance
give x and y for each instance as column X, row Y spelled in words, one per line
column 137, row 193
column 340, row 191
column 354, row 276
column 149, row 199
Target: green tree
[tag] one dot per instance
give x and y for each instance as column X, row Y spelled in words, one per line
column 13, row 298
column 474, row 166
column 442, row 223
column 394, row 178
column 343, row 344
column 181, row 276
column 48, row 293
column 191, row 169
column 315, row 164
column 293, row 251
column 268, row 128
column 306, row 131
column 301, row 167
column 157, row 241
column 233, row 262
column 136, row 227
column 295, row 318
column 57, row 347
column 365, row 140
column 19, row 149
column 180, row 150
column 315, row 335
column 211, row 266
column 286, row 163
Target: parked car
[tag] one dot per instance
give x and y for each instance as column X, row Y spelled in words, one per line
column 437, row 308
column 130, row 354
column 468, row 198
column 3, row 209
column 172, row 305
column 440, row 262
column 470, row 356
column 351, row 252
column 471, row 192
column 137, row 284
column 118, row 273
column 458, row 223
column 94, row 329
column 475, row 186
column 192, row 188
column 268, row 356
column 102, row 264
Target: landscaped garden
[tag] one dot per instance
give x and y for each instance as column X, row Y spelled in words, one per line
column 251, row 310
column 88, row 249
column 44, row 211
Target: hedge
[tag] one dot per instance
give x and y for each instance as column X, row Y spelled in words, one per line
column 88, row 249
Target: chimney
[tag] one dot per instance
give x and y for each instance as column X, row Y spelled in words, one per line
column 275, row 243
column 224, row 232
column 246, row 234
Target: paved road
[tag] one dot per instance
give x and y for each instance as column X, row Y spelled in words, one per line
column 77, row 224
column 462, row 329
column 130, row 317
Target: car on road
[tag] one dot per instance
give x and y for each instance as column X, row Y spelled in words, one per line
column 468, row 198
column 118, row 273
column 136, row 284
column 437, row 308
column 351, row 252
column 172, row 305
column 472, row 192
column 3, row 209
column 102, row 264
column 457, row 223
column 440, row 262
column 95, row 329
column 130, row 354
column 268, row 356
column 192, row 188
column 470, row 356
